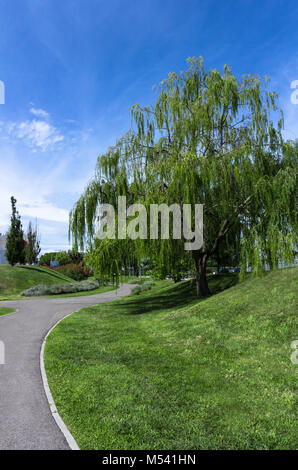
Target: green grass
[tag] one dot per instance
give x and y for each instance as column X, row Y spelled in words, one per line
column 163, row 370
column 14, row 280
column 6, row 310
column 51, row 272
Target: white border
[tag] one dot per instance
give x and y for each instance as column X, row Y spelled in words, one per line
column 62, row 426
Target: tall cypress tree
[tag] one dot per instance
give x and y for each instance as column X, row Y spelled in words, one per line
column 32, row 249
column 15, row 243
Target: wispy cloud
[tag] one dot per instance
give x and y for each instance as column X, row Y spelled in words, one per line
column 39, row 113
column 38, row 134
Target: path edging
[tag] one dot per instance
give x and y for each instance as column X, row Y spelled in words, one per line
column 59, row 421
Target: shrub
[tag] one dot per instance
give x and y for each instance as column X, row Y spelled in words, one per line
column 76, row 257
column 133, row 281
column 136, row 290
column 63, row 258
column 143, row 287
column 55, row 289
column 35, row 291
column 45, row 259
column 75, row 271
column 149, row 283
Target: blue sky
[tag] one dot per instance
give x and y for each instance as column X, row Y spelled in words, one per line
column 73, row 68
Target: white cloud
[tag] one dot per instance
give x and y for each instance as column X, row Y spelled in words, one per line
column 32, row 190
column 44, row 210
column 39, row 113
column 46, row 183
column 38, row 134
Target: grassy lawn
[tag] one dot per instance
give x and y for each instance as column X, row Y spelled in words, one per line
column 13, row 280
column 163, row 370
column 6, row 310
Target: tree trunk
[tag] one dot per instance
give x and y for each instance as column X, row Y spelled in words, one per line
column 201, row 279
column 217, row 260
column 270, row 260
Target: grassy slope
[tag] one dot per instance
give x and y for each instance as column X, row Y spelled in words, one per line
column 13, row 280
column 49, row 271
column 6, row 310
column 165, row 371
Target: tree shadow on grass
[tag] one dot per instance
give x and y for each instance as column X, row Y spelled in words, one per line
column 177, row 295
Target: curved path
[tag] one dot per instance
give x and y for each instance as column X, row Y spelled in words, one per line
column 26, row 421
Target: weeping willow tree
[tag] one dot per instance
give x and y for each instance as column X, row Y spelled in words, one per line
column 209, row 139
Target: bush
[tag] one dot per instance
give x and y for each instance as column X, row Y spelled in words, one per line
column 35, row 291
column 136, row 290
column 133, row 281
column 63, row 258
column 76, row 257
column 45, row 259
column 149, row 283
column 55, row 289
column 75, row 271
column 143, row 287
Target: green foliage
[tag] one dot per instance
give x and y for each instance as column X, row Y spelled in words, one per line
column 15, row 243
column 63, row 258
column 46, row 258
column 76, row 257
column 61, row 288
column 136, row 290
column 32, row 248
column 211, row 139
column 147, row 285
column 75, row 271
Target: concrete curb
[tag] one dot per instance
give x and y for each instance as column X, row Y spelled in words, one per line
column 60, row 423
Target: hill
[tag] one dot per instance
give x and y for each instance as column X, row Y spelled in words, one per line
column 163, row 370
column 13, row 280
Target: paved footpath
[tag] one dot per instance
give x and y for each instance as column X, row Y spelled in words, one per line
column 25, row 418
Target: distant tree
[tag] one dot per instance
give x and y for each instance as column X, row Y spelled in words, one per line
column 32, row 248
column 63, row 258
column 46, row 258
column 76, row 257
column 15, row 243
